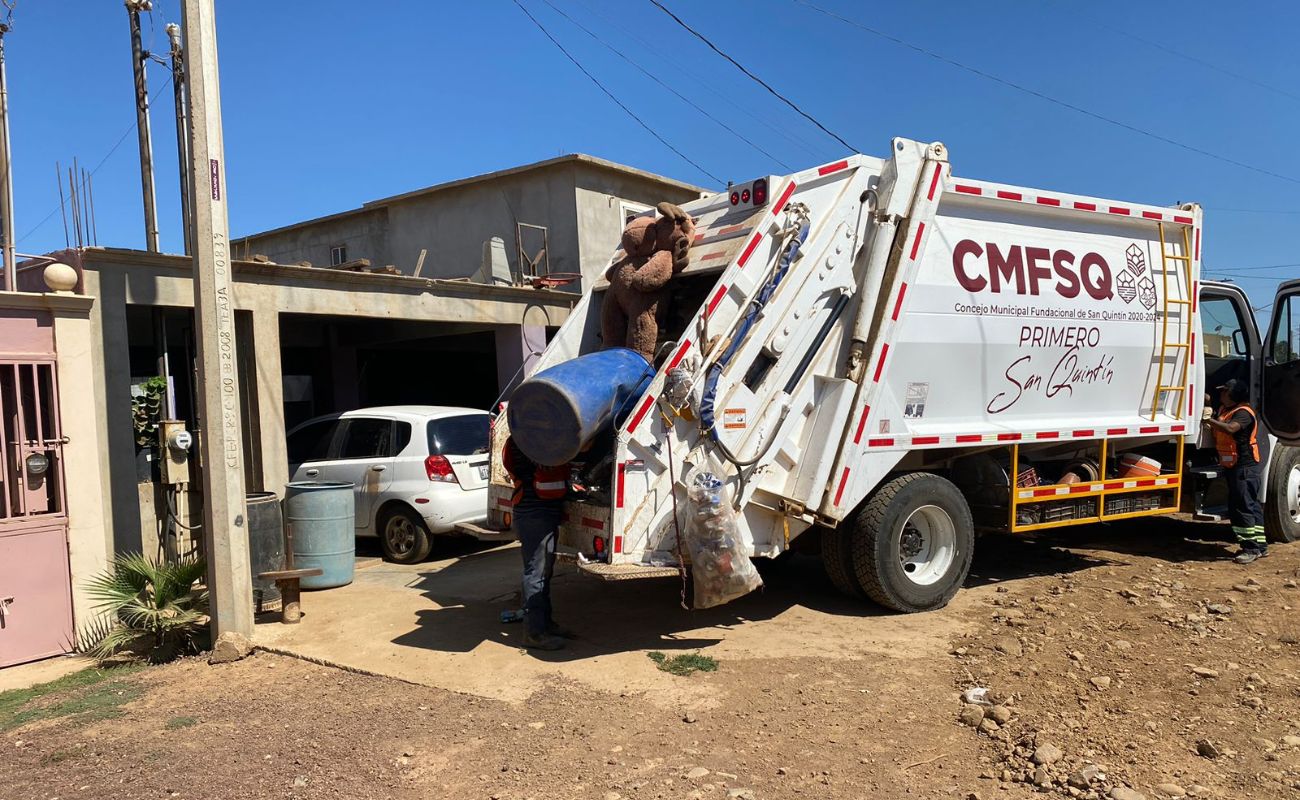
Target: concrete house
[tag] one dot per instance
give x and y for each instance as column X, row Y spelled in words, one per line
column 572, row 207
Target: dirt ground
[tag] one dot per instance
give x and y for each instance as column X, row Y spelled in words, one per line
column 1122, row 662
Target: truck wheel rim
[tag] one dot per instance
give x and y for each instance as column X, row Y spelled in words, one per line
column 400, row 534
column 927, row 545
column 1293, row 493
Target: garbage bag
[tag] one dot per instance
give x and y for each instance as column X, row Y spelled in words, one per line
column 720, row 566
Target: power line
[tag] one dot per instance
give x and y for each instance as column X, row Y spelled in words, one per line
column 659, row 81
column 101, row 163
column 1035, row 93
column 754, row 77
column 1253, row 210
column 1256, row 269
column 1193, row 59
column 611, row 96
column 697, row 80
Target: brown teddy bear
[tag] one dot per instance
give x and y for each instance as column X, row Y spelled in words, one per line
column 656, row 248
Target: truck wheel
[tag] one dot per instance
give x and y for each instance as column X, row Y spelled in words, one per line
column 837, row 558
column 403, row 536
column 912, row 542
column 1282, row 511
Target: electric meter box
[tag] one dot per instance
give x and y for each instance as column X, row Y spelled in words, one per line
column 176, row 444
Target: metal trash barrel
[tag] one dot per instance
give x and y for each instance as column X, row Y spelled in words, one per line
column 321, row 515
column 265, row 547
column 556, row 412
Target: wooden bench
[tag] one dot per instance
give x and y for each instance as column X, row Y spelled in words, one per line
column 286, row 580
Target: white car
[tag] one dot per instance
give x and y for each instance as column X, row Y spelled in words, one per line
column 418, row 470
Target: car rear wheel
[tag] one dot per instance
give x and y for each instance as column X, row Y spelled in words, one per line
column 1282, row 509
column 403, row 536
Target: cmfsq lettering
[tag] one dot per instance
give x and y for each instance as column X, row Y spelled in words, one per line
column 1030, row 270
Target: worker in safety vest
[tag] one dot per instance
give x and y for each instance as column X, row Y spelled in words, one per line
column 1236, row 437
column 538, row 504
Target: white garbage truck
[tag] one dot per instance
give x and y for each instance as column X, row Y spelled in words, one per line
column 892, row 360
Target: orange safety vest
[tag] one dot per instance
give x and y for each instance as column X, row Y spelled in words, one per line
column 1226, row 443
column 549, row 483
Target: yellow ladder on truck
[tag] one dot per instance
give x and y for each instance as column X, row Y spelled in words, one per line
column 1168, row 260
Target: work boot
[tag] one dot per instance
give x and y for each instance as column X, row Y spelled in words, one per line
column 560, row 631
column 1250, row 554
column 543, row 641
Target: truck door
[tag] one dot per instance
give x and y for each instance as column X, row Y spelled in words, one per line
column 1280, row 404
column 1230, row 349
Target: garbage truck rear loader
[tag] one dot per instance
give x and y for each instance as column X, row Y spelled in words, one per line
column 892, row 359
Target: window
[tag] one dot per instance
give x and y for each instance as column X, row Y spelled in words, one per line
column 1222, row 336
column 312, row 442
column 367, row 438
column 630, row 210
column 338, row 254
column 401, row 436
column 458, row 436
column 1286, row 332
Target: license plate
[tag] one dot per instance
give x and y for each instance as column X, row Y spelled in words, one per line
column 483, row 471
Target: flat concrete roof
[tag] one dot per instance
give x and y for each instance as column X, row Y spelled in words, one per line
column 574, row 158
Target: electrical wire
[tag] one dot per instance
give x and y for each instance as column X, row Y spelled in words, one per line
column 662, row 83
column 611, row 95
column 101, row 163
column 786, row 132
column 1040, row 95
column 754, row 77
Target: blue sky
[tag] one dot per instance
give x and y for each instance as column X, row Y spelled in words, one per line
column 328, row 104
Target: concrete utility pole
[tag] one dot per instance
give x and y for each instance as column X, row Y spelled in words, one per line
column 182, row 128
column 225, row 533
column 138, row 58
column 6, row 174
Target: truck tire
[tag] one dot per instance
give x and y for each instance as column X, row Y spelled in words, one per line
column 912, row 542
column 837, row 558
column 1282, row 508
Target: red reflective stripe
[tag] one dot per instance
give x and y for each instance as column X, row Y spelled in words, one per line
column 1083, row 433
column 622, row 471
column 1005, row 195
column 1183, row 220
column 1119, row 210
column 618, row 543
column 1149, row 429
column 1047, row 435
column 1008, row 437
column 681, row 353
column 916, row 243
column 880, row 442
column 640, row 413
column 967, row 438
column 862, row 424
column 898, row 304
column 717, row 298
column 503, row 503
column 844, row 479
column 836, row 167
column 969, row 189
column 925, row 440
column 880, row 365
column 749, row 250
column 1178, row 429
column 1048, row 201
column 1198, row 244
column 1085, row 206
column 1081, row 488
column 780, row 204
column 1116, row 431
column 1191, row 350
column 934, row 181
column 592, row 522
column 1044, row 492
column 1196, row 290
column 1151, row 215
column 716, row 254
column 728, row 229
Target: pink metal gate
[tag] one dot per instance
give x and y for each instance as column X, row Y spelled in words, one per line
column 35, row 587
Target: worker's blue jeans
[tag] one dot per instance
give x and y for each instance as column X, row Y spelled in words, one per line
column 537, row 526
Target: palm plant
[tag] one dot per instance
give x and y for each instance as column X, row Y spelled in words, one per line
column 148, row 608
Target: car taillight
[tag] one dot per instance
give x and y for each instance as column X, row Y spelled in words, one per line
column 438, row 468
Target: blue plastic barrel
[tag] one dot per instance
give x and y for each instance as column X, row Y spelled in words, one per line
column 556, row 412
column 321, row 516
